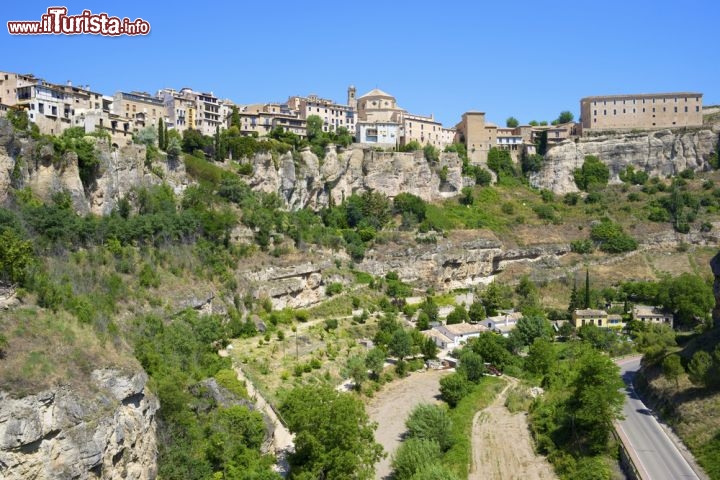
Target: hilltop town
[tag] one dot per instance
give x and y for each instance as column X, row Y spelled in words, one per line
column 374, row 119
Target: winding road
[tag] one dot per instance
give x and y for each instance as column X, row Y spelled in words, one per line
column 652, row 451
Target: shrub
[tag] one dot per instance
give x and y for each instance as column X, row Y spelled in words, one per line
column 581, row 246
column 592, row 174
column 571, row 198
column 454, row 388
column 611, row 238
column 333, row 288
column 431, row 422
column 413, row 455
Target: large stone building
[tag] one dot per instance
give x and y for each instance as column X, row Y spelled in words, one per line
column 260, row 119
column 10, row 82
column 139, row 109
column 642, row 111
column 379, row 110
column 477, row 135
column 334, row 115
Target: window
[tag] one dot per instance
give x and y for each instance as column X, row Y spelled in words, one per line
column 697, row 109
column 653, row 109
column 614, row 112
column 675, row 109
column 623, row 110
column 604, row 112
column 594, row 112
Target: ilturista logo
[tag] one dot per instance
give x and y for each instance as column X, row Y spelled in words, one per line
column 56, row 21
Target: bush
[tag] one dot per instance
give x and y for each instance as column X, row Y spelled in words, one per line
column 571, row 198
column 333, row 288
column 412, row 456
column 581, row 246
column 454, row 388
column 431, row 422
column 331, row 324
column 592, row 174
column 611, row 238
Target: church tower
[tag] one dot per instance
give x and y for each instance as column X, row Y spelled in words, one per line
column 351, row 97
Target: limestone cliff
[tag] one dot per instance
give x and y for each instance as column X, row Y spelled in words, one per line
column 107, row 432
column 306, row 181
column 661, row 153
column 25, row 162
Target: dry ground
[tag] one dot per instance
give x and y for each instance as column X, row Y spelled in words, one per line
column 391, row 406
column 502, row 446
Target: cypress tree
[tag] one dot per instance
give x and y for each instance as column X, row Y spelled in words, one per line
column 573, row 297
column 587, row 288
column 161, row 135
column 165, row 137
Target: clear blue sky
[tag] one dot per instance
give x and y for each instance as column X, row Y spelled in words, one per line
column 521, row 58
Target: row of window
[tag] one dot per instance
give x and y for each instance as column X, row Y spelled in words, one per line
column 697, row 99
column 697, row 109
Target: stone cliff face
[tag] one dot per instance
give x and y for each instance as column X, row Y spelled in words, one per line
column 301, row 180
column 59, row 433
column 26, row 163
column 305, row 181
column 661, row 153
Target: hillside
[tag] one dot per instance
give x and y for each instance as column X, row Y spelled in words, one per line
column 124, row 270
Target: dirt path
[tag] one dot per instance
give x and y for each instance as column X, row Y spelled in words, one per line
column 391, row 406
column 502, row 446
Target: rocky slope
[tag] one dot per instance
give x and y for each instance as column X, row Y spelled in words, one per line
column 106, row 433
column 301, row 180
column 661, row 153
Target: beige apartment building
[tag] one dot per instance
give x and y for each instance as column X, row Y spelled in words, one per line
column 641, row 111
column 477, row 135
column 10, row 82
column 139, row 109
column 260, row 119
column 334, row 115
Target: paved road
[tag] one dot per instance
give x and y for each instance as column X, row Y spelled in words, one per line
column 656, row 456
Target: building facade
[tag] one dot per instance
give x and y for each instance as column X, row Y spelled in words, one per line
column 590, row 317
column 642, row 111
column 334, row 115
column 260, row 119
column 651, row 314
column 378, row 133
column 139, row 109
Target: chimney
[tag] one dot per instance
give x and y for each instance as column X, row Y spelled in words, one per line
column 69, row 83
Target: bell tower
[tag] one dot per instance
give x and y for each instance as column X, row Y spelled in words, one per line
column 351, row 97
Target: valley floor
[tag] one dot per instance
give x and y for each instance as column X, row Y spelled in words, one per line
column 502, row 446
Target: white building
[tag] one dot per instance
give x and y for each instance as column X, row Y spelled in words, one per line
column 455, row 335
column 502, row 324
column 378, row 133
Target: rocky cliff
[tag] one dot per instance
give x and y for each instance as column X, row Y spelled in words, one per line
column 661, row 153
column 300, row 179
column 25, row 162
column 306, row 181
column 107, row 432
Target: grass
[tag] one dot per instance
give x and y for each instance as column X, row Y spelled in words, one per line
column 518, row 399
column 459, row 456
column 47, row 349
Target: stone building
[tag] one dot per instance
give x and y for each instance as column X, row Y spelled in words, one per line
column 381, row 108
column 140, row 109
column 334, row 115
column 652, row 314
column 10, row 82
column 641, row 111
column 590, row 317
column 477, row 135
column 260, row 119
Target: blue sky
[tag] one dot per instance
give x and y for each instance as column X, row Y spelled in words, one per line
column 527, row 59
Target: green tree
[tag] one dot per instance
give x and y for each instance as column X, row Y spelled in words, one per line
column 496, row 296
column 428, row 348
column 400, row 344
column 529, row 328
column 3, row 345
column 431, row 309
column 610, row 238
column 453, row 388
column 466, row 197
column 699, row 367
column 357, row 370
column 458, row 315
column 235, row 117
column 586, row 304
column 334, row 437
column 596, row 401
column 412, row 455
column 565, row 117
column 431, row 422
column 500, row 161
column 476, row 313
column 673, row 368
column 434, row 471
column 16, row 255
column 374, row 361
column 408, row 203
column 314, row 127
column 512, row 122
column 689, row 296
column 161, row 134
column 542, row 357
column 593, row 174
column 471, row 366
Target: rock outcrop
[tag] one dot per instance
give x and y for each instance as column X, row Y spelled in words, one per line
column 453, row 264
column 661, row 153
column 296, row 286
column 108, row 432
